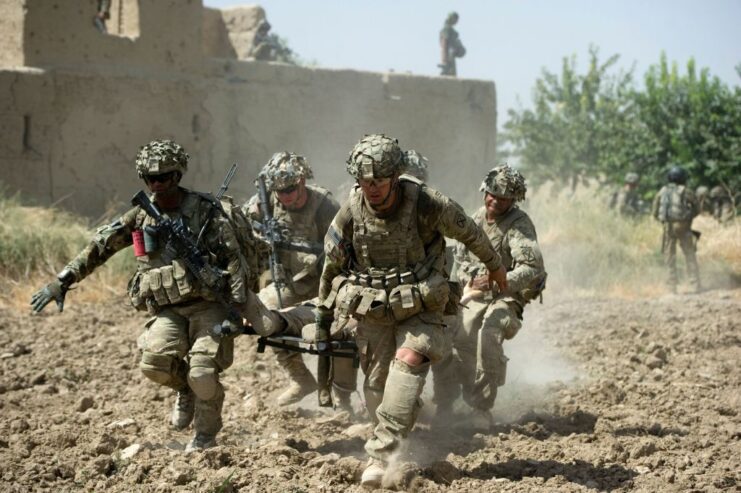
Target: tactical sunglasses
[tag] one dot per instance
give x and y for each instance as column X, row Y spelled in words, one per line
column 159, row 178
column 374, row 183
column 287, row 190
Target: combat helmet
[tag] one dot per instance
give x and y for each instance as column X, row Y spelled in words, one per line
column 702, row 191
column 503, row 181
column 718, row 192
column 375, row 156
column 415, row 164
column 452, row 18
column 161, row 156
column 631, row 178
column 677, row 175
column 284, row 170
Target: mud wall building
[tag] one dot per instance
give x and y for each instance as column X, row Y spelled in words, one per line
column 76, row 104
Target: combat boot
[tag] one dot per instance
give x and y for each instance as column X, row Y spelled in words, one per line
column 302, row 383
column 343, row 402
column 373, row 474
column 201, row 441
column 183, row 410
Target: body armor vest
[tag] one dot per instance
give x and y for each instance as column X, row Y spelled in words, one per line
column 302, row 226
column 161, row 280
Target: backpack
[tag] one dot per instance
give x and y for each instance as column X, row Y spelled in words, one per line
column 674, row 206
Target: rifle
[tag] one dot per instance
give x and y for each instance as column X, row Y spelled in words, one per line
column 180, row 244
column 696, row 234
column 271, row 232
column 664, row 237
column 281, row 239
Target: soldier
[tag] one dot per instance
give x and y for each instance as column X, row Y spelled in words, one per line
column 722, row 204
column 478, row 364
column 262, row 45
column 450, row 45
column 416, row 165
column 385, row 268
column 704, row 203
column 676, row 206
column 626, row 201
column 178, row 348
column 102, row 14
column 303, row 213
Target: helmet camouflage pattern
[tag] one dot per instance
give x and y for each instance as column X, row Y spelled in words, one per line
column 631, row 178
column 415, row 164
column 503, row 181
column 161, row 156
column 284, row 170
column 702, row 191
column 375, row 156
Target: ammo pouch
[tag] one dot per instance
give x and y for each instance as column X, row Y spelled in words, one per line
column 168, row 285
column 403, row 301
column 535, row 290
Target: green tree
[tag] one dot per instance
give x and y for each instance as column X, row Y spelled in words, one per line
column 570, row 134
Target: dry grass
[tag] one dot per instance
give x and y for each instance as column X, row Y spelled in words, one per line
column 591, row 250
column 36, row 243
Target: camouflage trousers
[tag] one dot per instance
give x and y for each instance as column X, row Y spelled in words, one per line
column 477, row 365
column 391, row 387
column 344, row 375
column 178, row 351
column 681, row 232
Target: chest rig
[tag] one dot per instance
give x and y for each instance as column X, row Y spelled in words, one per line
column 161, row 280
column 301, row 226
column 392, row 277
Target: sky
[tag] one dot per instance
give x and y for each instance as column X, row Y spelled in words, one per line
column 509, row 41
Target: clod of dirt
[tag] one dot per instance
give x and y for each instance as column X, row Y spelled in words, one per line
column 444, row 472
column 84, row 404
column 643, row 449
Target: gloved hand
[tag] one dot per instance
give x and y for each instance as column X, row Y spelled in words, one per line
column 55, row 290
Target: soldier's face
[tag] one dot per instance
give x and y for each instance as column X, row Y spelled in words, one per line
column 375, row 191
column 496, row 206
column 163, row 183
column 292, row 197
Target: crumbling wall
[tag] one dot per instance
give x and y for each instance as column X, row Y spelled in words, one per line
column 69, row 131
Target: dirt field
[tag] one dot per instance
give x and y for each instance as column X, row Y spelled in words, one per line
column 603, row 395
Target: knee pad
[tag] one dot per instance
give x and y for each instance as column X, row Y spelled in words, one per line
column 203, row 377
column 159, row 368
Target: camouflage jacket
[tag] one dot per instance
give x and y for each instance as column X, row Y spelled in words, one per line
column 219, row 245
column 675, row 203
column 625, row 202
column 514, row 238
column 437, row 217
column 308, row 224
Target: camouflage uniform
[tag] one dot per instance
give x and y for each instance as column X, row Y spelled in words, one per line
column 387, row 272
column 626, row 201
column 300, row 270
column 722, row 204
column 676, row 206
column 478, row 364
column 178, row 349
column 451, row 46
column 102, row 14
column 704, row 203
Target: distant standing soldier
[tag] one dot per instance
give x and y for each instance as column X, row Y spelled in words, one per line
column 102, row 14
column 722, row 204
column 626, row 201
column 478, row 364
column 178, row 348
column 385, row 268
column 704, row 203
column 450, row 46
column 676, row 206
column 303, row 213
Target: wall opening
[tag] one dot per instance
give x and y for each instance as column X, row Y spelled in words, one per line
column 26, row 136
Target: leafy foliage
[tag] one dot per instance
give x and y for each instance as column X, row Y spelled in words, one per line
column 599, row 125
